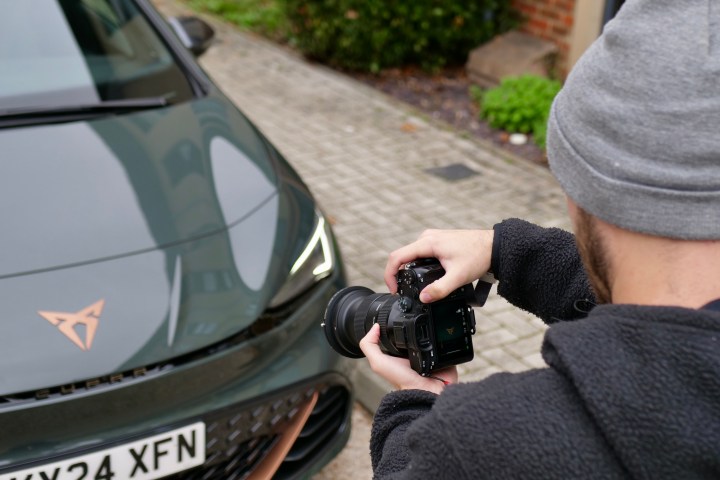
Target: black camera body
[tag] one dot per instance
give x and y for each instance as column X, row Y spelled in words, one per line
column 432, row 336
column 438, row 334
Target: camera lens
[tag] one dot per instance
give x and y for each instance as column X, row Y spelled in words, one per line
column 351, row 313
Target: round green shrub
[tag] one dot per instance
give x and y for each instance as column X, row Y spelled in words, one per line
column 375, row 34
column 519, row 104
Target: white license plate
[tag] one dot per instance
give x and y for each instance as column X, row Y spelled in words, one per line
column 149, row 458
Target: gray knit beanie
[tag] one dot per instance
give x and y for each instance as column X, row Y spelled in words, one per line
column 634, row 135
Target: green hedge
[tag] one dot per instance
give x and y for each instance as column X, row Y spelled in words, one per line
column 375, row 34
column 265, row 17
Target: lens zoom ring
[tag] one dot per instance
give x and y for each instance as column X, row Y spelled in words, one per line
column 382, row 319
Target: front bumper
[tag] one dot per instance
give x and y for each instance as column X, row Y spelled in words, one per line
column 239, row 438
column 245, row 393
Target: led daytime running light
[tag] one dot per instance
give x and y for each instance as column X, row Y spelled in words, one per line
column 321, row 236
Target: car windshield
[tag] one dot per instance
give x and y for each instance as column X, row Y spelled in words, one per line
column 64, row 53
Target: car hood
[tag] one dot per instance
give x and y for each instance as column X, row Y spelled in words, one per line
column 80, row 192
column 138, row 238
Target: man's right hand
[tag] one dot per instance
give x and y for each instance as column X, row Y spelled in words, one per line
column 464, row 254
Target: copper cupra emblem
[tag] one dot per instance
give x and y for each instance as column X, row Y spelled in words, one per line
column 66, row 322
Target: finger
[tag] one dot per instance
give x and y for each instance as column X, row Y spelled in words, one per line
column 395, row 260
column 400, row 257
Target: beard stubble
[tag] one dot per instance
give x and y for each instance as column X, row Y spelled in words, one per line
column 594, row 255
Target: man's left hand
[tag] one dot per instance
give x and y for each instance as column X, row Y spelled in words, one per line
column 397, row 370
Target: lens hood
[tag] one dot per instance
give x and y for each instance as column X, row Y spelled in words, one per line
column 338, row 323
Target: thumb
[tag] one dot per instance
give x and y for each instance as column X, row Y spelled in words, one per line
column 440, row 288
column 371, row 340
column 371, row 348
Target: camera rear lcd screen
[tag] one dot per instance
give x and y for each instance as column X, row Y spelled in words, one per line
column 450, row 325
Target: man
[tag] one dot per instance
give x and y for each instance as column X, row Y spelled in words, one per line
column 632, row 388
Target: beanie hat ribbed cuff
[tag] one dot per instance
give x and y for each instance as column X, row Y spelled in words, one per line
column 691, row 215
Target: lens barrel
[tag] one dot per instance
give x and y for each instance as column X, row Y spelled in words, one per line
column 351, row 313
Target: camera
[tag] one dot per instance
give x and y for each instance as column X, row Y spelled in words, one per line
column 432, row 336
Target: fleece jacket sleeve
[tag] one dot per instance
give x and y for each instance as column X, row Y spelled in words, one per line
column 397, row 450
column 540, row 270
column 392, row 418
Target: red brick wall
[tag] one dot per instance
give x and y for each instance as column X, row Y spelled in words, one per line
column 551, row 20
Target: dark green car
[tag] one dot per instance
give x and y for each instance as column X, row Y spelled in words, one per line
column 163, row 269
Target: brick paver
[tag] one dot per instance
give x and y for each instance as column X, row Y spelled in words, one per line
column 365, row 158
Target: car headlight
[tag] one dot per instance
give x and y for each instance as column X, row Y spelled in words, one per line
column 314, row 263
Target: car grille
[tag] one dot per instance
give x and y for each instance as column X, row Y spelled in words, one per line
column 238, row 439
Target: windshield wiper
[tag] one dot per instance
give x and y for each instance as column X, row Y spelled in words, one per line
column 15, row 117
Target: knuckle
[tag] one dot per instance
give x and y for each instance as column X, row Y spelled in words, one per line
column 394, row 256
column 428, row 233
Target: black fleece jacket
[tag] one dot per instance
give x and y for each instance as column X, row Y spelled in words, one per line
column 629, row 391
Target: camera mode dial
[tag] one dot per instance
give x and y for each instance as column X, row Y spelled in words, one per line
column 405, row 304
